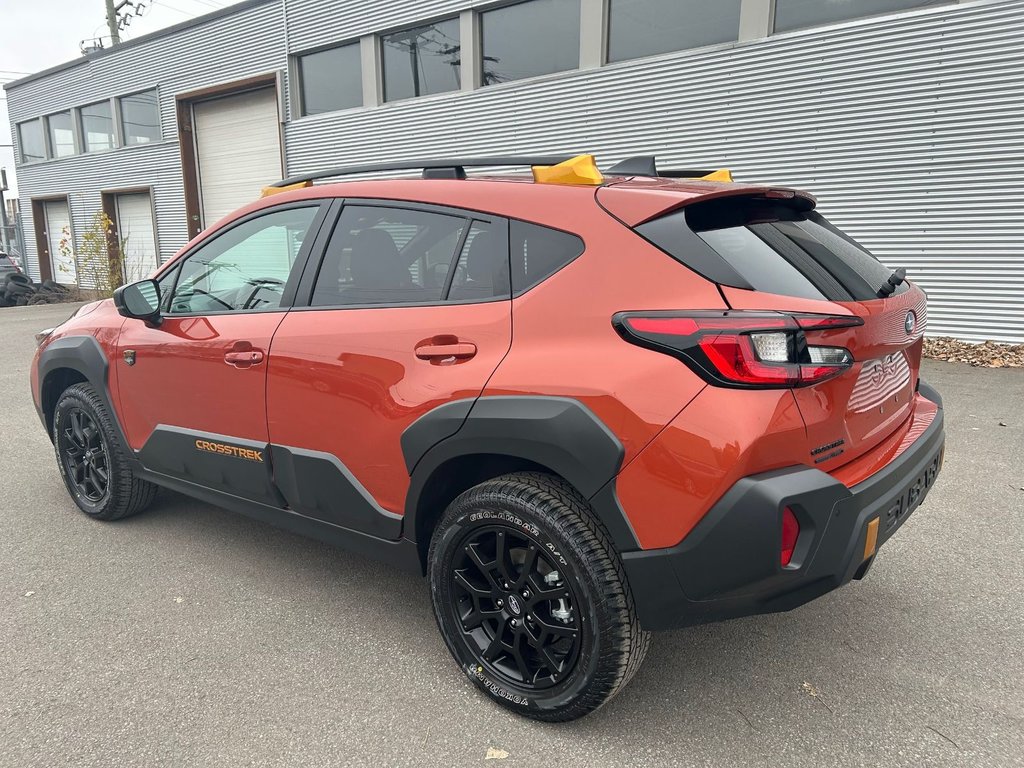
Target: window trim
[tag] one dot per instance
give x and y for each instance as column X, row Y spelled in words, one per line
column 323, row 206
column 122, row 135
column 297, row 78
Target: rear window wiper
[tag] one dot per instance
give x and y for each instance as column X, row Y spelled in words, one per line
column 896, row 279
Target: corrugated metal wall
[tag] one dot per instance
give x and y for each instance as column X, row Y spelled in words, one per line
column 909, row 128
column 230, row 48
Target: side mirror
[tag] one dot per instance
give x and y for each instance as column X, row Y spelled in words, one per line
column 139, row 300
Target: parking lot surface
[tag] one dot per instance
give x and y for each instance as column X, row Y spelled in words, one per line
column 191, row 636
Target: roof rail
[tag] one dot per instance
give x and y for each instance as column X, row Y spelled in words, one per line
column 449, row 168
column 646, row 165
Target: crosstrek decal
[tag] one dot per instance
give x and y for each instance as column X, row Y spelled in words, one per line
column 229, row 450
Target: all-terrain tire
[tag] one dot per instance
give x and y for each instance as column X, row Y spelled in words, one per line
column 529, row 512
column 124, row 494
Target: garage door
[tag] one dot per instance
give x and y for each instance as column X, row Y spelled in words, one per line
column 238, row 147
column 58, row 235
column 135, row 223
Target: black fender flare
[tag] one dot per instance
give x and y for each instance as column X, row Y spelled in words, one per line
column 559, row 433
column 84, row 355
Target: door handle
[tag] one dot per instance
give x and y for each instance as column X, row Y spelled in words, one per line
column 244, row 359
column 446, row 353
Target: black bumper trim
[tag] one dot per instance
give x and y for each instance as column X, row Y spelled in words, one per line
column 728, row 566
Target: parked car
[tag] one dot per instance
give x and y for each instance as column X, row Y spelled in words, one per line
column 585, row 406
column 8, row 265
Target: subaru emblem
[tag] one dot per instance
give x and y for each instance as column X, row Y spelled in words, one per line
column 910, row 322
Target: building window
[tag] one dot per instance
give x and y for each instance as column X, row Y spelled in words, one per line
column 529, row 39
column 331, row 80
column 97, row 127
column 62, row 135
column 31, row 142
column 647, row 27
column 797, row 14
column 422, row 60
column 140, row 118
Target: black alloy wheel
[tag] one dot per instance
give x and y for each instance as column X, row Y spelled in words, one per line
column 84, row 451
column 514, row 608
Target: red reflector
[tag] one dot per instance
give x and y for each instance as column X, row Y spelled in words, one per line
column 790, row 533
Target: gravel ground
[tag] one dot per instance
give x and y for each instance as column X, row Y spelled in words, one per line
column 189, row 636
column 989, row 354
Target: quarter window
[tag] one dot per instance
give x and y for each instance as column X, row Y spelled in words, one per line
column 382, row 255
column 422, row 60
column 31, row 142
column 246, row 268
column 140, row 118
column 797, row 14
column 62, row 136
column 331, row 80
column 538, row 252
column 97, row 127
column 648, row 27
column 529, row 39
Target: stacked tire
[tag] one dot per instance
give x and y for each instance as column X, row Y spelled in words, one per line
column 17, row 290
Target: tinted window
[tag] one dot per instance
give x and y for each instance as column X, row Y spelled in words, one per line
column 331, row 80
column 779, row 249
column 538, row 252
column 30, row 139
column 795, row 14
column 528, row 39
column 140, row 118
column 97, row 127
column 245, row 268
column 646, row 27
column 62, row 137
column 482, row 270
column 382, row 255
column 421, row 61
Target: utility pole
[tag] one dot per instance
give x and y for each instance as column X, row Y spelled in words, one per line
column 5, row 241
column 115, row 38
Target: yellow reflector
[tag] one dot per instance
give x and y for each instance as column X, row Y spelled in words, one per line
column 722, row 174
column 579, row 170
column 268, row 191
column 871, row 542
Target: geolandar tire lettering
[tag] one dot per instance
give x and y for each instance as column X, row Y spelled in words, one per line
column 531, row 598
column 94, row 467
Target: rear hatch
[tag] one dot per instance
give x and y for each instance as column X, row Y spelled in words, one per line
column 772, row 253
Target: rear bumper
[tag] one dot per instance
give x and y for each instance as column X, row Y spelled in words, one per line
column 728, row 566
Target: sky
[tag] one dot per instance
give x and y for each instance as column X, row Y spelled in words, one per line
column 36, row 34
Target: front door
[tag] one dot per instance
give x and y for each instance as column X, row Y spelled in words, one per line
column 411, row 309
column 193, row 388
column 60, row 242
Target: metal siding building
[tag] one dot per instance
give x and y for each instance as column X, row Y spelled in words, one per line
column 908, row 127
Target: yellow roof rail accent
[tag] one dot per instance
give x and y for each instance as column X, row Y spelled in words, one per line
column 581, row 169
column 268, row 191
column 722, row 174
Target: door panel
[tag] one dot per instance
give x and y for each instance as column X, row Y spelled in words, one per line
column 135, row 228
column 58, row 231
column 347, row 382
column 181, row 379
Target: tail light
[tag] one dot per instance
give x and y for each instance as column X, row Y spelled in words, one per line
column 790, row 533
column 744, row 349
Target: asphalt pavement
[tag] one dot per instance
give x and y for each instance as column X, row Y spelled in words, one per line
column 189, row 636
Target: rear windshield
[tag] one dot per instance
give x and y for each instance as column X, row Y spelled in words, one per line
column 771, row 247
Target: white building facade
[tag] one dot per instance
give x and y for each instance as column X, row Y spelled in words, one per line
column 904, row 117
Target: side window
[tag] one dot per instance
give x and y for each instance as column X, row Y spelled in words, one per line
column 482, row 269
column 538, row 252
column 244, row 269
column 380, row 255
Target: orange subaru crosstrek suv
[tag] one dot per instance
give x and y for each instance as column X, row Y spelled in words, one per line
column 586, row 406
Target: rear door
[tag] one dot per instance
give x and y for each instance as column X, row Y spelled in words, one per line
column 409, row 309
column 791, row 259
